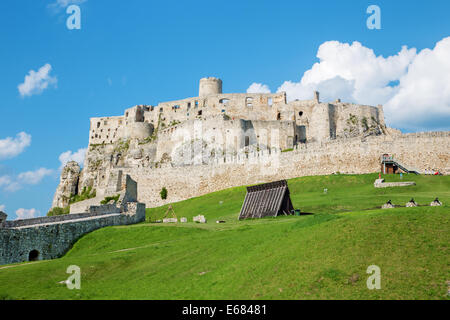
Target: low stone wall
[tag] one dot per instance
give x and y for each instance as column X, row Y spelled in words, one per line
column 51, row 238
column 44, row 220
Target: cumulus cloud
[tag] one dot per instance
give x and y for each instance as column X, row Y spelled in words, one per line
column 36, row 82
column 258, row 88
column 77, row 156
column 11, row 147
column 2, row 207
column 26, row 213
column 34, row 177
column 13, row 184
column 413, row 87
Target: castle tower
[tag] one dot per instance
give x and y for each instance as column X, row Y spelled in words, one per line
column 209, row 86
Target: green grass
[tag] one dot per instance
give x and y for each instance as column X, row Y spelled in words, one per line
column 319, row 256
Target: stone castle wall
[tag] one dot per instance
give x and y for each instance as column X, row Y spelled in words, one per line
column 352, row 156
column 51, row 237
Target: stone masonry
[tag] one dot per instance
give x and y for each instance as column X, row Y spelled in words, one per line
column 218, row 140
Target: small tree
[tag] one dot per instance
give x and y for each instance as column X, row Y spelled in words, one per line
column 163, row 193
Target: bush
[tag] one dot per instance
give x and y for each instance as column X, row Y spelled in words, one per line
column 85, row 194
column 108, row 199
column 58, row 211
column 163, row 193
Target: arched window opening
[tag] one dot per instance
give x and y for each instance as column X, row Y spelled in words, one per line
column 224, row 101
column 249, row 102
column 33, row 255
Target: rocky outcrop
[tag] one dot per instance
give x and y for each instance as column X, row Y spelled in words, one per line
column 68, row 185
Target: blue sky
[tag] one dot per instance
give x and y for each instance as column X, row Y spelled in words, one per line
column 145, row 52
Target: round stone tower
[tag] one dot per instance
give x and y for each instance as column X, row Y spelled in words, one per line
column 209, row 86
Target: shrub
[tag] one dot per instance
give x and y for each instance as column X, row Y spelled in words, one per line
column 58, row 211
column 108, row 199
column 163, row 193
column 87, row 193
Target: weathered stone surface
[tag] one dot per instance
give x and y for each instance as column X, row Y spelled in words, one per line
column 436, row 203
column 68, row 185
column 216, row 141
column 3, row 217
column 183, row 220
column 199, row 218
column 388, row 205
column 379, row 183
column 410, row 204
column 50, row 237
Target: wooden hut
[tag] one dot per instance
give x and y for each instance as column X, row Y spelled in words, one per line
column 267, row 200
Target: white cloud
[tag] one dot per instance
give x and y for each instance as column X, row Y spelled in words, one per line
column 11, row 147
column 13, row 184
column 5, row 181
column 26, row 213
column 36, row 82
column 413, row 87
column 258, row 88
column 67, row 156
column 34, row 177
column 2, row 207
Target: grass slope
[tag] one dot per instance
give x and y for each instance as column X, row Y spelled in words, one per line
column 323, row 256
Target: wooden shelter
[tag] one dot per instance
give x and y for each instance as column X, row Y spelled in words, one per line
column 267, row 200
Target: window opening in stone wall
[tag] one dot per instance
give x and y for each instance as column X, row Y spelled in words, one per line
column 224, row 101
column 278, row 116
column 249, row 102
column 269, row 102
column 33, row 255
column 300, row 113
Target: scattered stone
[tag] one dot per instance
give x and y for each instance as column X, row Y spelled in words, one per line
column 411, row 203
column 220, row 221
column 379, row 183
column 183, row 220
column 200, row 218
column 388, row 205
column 353, row 279
column 436, row 203
column 170, row 220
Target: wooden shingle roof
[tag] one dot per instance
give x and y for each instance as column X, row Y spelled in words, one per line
column 264, row 200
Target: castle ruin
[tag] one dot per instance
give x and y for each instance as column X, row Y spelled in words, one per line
column 218, row 140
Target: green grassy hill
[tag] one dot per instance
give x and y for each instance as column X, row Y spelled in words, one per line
column 319, row 256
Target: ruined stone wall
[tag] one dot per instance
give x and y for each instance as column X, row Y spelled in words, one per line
column 352, row 156
column 51, row 239
column 106, row 130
